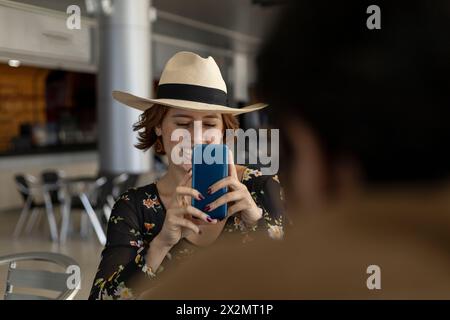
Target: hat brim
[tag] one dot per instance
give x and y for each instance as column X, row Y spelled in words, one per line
column 144, row 104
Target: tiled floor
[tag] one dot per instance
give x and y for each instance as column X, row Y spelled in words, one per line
column 85, row 251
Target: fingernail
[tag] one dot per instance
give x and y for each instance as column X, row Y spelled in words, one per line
column 201, row 197
column 209, row 190
column 209, row 219
column 207, row 208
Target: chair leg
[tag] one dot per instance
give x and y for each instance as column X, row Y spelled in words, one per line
column 51, row 217
column 65, row 211
column 31, row 222
column 23, row 216
column 84, row 225
column 107, row 212
column 110, row 201
column 39, row 219
column 94, row 219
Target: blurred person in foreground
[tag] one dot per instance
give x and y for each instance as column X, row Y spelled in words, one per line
column 364, row 117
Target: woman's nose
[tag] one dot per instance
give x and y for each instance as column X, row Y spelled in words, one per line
column 198, row 137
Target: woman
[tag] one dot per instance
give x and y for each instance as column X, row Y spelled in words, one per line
column 152, row 227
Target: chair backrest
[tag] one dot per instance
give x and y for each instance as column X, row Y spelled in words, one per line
column 123, row 182
column 101, row 188
column 130, row 182
column 117, row 182
column 113, row 185
column 52, row 177
column 39, row 279
column 22, row 185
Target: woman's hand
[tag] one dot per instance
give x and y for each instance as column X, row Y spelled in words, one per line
column 177, row 223
column 238, row 194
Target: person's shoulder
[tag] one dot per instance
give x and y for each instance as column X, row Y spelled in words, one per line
column 136, row 195
column 141, row 191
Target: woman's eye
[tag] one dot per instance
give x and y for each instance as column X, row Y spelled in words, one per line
column 182, row 124
column 210, row 125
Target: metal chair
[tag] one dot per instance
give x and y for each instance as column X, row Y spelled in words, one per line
column 39, row 279
column 23, row 182
column 84, row 194
column 28, row 203
column 96, row 197
column 29, row 186
column 53, row 178
column 50, row 179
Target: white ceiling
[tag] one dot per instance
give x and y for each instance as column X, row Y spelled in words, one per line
column 237, row 15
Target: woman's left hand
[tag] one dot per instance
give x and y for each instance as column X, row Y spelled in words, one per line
column 238, row 194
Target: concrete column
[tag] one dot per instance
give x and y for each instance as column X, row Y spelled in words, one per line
column 241, row 78
column 124, row 64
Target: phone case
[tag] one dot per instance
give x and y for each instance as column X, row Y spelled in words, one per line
column 205, row 172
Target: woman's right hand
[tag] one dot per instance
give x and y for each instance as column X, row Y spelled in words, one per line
column 177, row 223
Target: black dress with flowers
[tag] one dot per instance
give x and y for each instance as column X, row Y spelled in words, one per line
column 138, row 216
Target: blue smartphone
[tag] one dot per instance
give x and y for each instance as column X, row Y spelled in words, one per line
column 209, row 165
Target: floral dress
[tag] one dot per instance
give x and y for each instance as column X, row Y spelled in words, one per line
column 138, row 216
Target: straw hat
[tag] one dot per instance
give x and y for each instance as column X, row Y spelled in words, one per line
column 189, row 82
